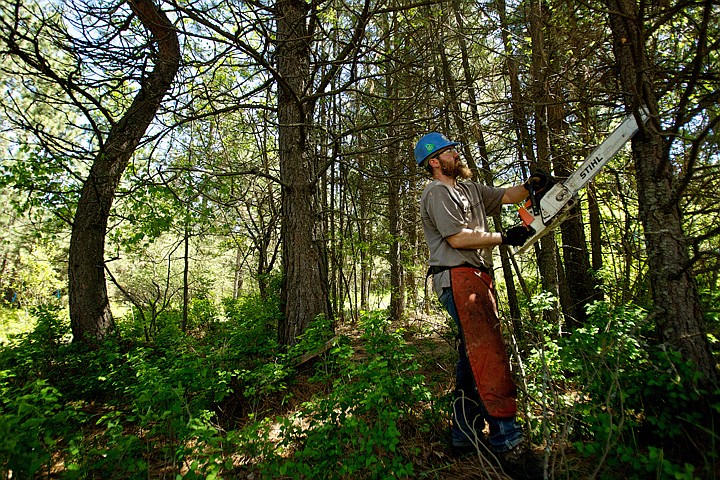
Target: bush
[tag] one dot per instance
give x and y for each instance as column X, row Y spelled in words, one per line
column 354, row 432
column 634, row 402
column 34, row 354
column 33, row 420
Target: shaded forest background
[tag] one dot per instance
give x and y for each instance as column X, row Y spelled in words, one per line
column 212, row 264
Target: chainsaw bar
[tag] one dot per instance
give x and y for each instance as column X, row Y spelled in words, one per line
column 555, row 206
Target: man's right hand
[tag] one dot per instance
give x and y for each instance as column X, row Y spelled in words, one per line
column 517, row 236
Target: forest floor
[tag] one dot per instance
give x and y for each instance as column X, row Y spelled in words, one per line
column 427, row 446
column 225, row 402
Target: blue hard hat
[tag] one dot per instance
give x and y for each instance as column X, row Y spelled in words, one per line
column 430, row 144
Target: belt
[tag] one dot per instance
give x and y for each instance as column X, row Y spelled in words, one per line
column 433, row 270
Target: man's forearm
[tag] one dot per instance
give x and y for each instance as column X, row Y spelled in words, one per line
column 515, row 194
column 472, row 240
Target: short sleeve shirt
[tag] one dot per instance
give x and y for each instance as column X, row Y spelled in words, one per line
column 447, row 210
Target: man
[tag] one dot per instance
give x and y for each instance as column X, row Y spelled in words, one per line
column 455, row 215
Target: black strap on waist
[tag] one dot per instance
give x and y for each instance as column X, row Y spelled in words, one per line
column 435, row 269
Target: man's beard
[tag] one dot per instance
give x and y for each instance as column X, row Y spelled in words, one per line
column 456, row 170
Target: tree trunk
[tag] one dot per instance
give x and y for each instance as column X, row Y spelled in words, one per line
column 397, row 289
column 395, row 170
column 186, row 274
column 397, row 286
column 520, row 121
column 596, row 257
column 575, row 256
column 546, row 247
column 364, row 235
column 676, row 305
column 525, row 154
column 90, row 316
column 305, row 292
column 581, row 287
column 238, row 280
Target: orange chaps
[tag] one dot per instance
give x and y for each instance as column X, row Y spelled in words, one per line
column 475, row 303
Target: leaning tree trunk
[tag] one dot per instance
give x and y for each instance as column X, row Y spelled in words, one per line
column 676, row 305
column 305, row 292
column 90, row 315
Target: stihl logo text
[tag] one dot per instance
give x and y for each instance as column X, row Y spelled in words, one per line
column 590, row 167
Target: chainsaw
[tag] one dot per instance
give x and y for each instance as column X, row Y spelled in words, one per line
column 544, row 211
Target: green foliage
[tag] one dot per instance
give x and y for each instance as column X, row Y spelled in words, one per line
column 32, row 421
column 14, row 322
column 203, row 312
column 355, row 431
column 710, row 299
column 314, row 337
column 250, row 328
column 34, row 353
column 113, row 454
column 196, row 404
column 52, row 328
column 542, row 302
column 31, row 265
column 634, row 401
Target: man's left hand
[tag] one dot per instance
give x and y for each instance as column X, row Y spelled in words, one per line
column 539, row 181
column 517, row 236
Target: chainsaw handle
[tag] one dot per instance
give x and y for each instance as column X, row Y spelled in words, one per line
column 534, row 201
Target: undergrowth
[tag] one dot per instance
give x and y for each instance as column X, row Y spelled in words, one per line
column 629, row 407
column 228, row 401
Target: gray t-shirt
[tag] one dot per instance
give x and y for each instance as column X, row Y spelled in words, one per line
column 446, row 211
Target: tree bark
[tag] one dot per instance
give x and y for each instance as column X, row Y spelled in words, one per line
column 186, row 280
column 90, row 316
column 546, row 247
column 575, row 255
column 397, row 287
column 305, row 292
column 520, row 120
column 396, row 165
column 676, row 305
